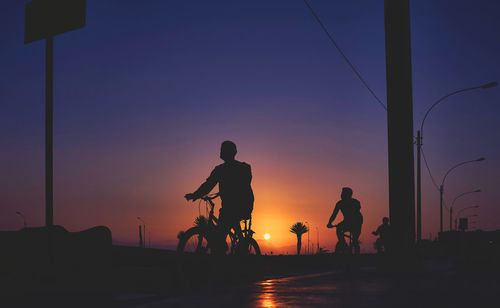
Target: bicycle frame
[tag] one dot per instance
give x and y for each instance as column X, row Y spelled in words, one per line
column 347, row 236
column 245, row 233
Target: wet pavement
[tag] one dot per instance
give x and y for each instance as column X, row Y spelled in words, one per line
column 348, row 288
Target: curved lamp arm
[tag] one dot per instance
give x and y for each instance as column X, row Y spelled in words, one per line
column 484, row 86
column 465, row 193
column 460, row 164
column 469, row 207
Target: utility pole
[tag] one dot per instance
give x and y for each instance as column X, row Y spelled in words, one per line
column 400, row 124
column 140, row 237
column 441, row 190
column 419, row 194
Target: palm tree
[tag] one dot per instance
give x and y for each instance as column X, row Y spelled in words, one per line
column 200, row 221
column 299, row 229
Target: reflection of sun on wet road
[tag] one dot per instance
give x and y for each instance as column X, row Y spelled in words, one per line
column 363, row 287
column 312, row 290
column 288, row 291
column 266, row 294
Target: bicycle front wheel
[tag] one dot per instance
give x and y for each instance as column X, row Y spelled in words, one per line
column 253, row 248
column 245, row 247
column 194, row 241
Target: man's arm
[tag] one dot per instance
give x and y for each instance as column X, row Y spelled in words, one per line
column 357, row 205
column 334, row 215
column 206, row 187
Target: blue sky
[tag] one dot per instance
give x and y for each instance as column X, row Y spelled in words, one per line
column 146, row 91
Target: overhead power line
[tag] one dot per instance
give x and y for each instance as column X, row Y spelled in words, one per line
column 429, row 170
column 344, row 56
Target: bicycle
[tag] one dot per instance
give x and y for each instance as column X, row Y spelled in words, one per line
column 346, row 247
column 201, row 239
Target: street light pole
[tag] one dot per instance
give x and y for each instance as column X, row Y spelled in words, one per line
column 307, row 251
column 419, row 148
column 317, row 240
column 143, row 231
column 441, row 189
column 451, row 207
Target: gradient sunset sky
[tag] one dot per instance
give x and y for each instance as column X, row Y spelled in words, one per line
column 147, row 91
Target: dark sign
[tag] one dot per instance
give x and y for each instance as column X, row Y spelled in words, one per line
column 46, row 18
column 463, row 224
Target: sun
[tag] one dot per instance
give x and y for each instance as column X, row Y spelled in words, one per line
column 267, row 236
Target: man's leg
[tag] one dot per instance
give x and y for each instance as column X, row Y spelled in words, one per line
column 222, row 230
column 340, row 232
column 242, row 244
column 378, row 245
column 355, row 233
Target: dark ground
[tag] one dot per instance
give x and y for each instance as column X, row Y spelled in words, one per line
column 157, row 278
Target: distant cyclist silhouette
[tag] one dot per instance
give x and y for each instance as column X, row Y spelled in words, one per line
column 384, row 233
column 234, row 178
column 351, row 210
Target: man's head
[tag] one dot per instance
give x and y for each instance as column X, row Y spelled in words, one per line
column 385, row 220
column 346, row 193
column 227, row 150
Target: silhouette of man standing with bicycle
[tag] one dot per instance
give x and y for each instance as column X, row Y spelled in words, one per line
column 351, row 210
column 235, row 190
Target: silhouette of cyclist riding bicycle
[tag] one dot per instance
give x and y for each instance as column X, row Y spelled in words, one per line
column 353, row 220
column 210, row 234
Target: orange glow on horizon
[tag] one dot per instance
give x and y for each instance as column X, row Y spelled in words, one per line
column 286, row 191
column 288, row 188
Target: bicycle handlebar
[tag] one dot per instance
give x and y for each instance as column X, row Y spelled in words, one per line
column 210, row 197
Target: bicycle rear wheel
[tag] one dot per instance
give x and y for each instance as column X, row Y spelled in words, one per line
column 194, row 241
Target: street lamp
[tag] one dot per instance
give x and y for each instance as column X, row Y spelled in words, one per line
column 143, row 231
column 317, row 239
column 24, row 218
column 465, row 208
column 451, row 207
column 420, row 136
column 441, row 189
column 307, row 237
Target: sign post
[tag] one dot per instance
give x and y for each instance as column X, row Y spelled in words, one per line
column 463, row 224
column 49, row 163
column 43, row 20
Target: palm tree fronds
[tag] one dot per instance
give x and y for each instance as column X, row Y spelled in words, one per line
column 299, row 229
column 200, row 221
